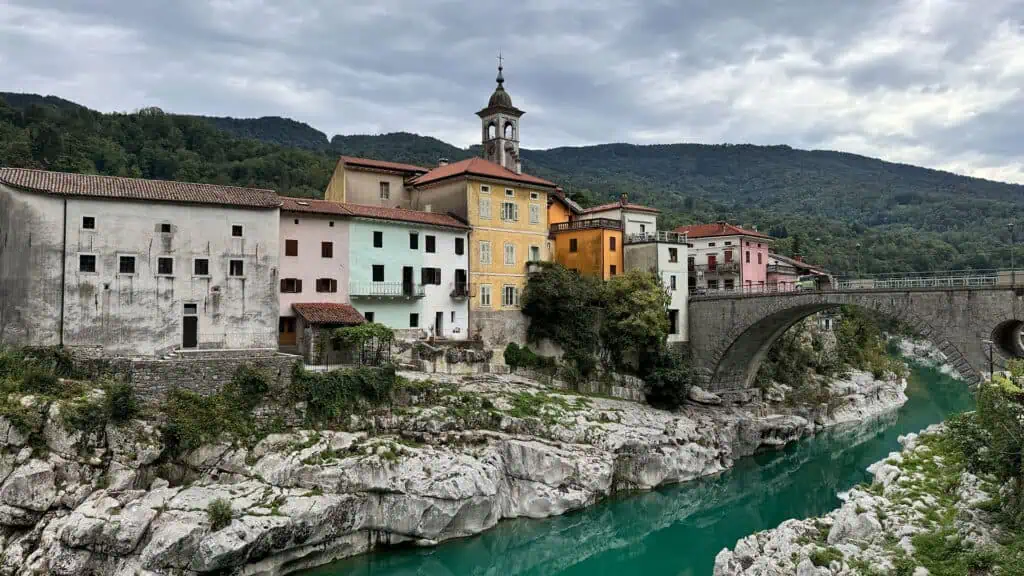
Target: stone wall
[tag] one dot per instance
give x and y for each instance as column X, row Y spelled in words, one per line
column 498, row 327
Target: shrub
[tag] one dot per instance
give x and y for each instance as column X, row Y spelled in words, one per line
column 39, row 381
column 332, row 395
column 668, row 384
column 512, row 355
column 121, row 403
column 193, row 420
column 825, row 556
column 219, row 514
column 522, row 357
column 248, row 387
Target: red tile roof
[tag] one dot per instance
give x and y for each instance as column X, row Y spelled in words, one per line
column 403, row 215
column 718, row 229
column 93, row 186
column 328, row 313
column 479, row 167
column 383, row 165
column 309, row 205
column 626, row 206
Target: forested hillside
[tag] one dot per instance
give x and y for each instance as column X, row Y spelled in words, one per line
column 851, row 212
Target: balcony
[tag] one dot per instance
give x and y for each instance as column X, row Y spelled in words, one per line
column 588, row 224
column 732, row 267
column 385, row 290
column 661, row 236
column 459, row 290
column 782, row 269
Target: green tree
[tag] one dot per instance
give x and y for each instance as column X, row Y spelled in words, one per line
column 635, row 324
column 562, row 306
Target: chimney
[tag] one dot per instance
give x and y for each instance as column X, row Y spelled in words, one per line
column 624, row 199
column 442, row 162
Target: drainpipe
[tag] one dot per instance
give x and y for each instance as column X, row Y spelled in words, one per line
column 63, row 271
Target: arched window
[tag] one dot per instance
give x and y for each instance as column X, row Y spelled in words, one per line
column 492, row 131
column 510, row 131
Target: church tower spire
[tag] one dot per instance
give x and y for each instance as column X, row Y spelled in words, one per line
column 500, row 122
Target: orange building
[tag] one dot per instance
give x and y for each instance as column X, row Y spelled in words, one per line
column 590, row 246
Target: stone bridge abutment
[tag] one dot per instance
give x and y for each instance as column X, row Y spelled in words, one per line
column 729, row 336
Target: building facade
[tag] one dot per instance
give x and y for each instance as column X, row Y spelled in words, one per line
column 136, row 267
column 592, row 246
column 371, row 182
column 665, row 254
column 410, row 271
column 784, row 273
column 726, row 257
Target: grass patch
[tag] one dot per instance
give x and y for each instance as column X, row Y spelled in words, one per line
column 219, row 514
column 825, row 556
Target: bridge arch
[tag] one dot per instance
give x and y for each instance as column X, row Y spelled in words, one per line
column 730, row 336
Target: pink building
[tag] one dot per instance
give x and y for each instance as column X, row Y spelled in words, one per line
column 726, row 257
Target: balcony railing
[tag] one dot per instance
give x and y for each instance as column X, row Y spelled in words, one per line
column 663, row 236
column 782, row 268
column 459, row 290
column 718, row 268
column 587, row 224
column 386, row 290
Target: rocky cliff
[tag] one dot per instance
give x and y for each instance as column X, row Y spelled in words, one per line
column 114, row 500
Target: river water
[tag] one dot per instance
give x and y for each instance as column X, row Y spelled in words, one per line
column 678, row 531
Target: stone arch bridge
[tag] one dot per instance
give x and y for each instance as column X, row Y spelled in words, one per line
column 730, row 334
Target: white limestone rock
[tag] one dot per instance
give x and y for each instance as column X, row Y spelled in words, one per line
column 701, row 396
column 31, row 486
column 10, row 435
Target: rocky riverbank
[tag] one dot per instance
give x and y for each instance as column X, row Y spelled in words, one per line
column 453, row 459
column 923, row 514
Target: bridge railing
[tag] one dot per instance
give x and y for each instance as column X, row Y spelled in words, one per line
column 912, row 281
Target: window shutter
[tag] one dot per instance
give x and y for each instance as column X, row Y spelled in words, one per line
column 282, row 284
column 298, row 286
column 515, row 212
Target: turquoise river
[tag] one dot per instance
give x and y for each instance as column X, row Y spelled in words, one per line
column 677, row 531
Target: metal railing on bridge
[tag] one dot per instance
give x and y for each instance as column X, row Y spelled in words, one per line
column 910, row 281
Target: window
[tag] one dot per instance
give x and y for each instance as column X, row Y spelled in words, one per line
column 431, row 244
column 460, row 246
column 329, row 285
column 165, row 228
column 673, row 254
column 296, row 221
column 485, row 189
column 485, row 252
column 728, row 255
column 485, row 208
column 534, row 213
column 378, row 272
column 711, row 244
column 88, row 222
column 672, row 282
column 510, row 193
column 385, row 190
column 510, row 254
column 165, row 266
column 510, row 212
column 611, row 270
column 712, row 284
column 534, row 253
column 291, row 247
column 689, row 262
column 611, row 243
column 758, row 244
column 534, row 196
column 510, row 297
column 201, row 267
column 193, row 309
column 729, row 283
column 485, row 295
column 574, row 245
column 453, row 316
column 748, row 256
column 331, row 224
column 643, row 228
column 236, row 268
column 728, row 243
column 86, row 263
column 673, row 321
column 414, row 241
column 291, row 286
column 748, row 243
column 327, row 249
column 378, row 239
column 430, row 276
column 712, row 262
column 126, row 265
column 236, row 230
column 368, row 316
column 414, row 320
column 758, row 257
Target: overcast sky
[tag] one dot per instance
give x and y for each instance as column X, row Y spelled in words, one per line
column 936, row 83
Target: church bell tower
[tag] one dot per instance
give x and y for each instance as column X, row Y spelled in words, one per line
column 500, row 122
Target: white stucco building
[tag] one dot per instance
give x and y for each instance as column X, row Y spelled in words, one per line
column 134, row 266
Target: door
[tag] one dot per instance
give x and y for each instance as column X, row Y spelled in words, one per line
column 407, row 281
column 190, row 336
column 286, row 331
column 439, row 325
column 461, row 283
column 712, row 262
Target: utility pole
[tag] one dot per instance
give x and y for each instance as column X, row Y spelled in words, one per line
column 1013, row 267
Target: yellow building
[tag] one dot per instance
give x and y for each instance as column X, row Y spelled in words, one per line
column 372, row 182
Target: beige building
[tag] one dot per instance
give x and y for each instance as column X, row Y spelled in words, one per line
column 372, row 182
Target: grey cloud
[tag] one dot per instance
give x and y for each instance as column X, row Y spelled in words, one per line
column 874, row 77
